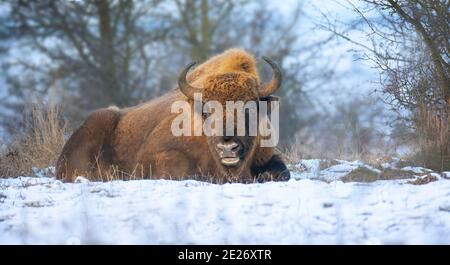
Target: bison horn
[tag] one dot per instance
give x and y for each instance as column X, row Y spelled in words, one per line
column 274, row 84
column 184, row 86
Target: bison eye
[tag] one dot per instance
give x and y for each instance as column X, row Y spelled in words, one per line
column 245, row 66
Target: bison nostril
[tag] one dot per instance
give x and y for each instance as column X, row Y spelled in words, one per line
column 235, row 147
column 229, row 146
column 227, row 138
column 232, row 145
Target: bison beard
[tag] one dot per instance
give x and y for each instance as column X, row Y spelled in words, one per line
column 137, row 142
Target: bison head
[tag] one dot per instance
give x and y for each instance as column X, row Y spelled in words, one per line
column 233, row 153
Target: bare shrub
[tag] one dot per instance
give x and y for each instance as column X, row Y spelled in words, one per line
column 407, row 41
column 38, row 145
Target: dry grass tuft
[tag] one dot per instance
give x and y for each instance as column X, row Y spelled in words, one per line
column 430, row 156
column 294, row 153
column 38, row 145
column 114, row 173
column 361, row 174
column 424, row 180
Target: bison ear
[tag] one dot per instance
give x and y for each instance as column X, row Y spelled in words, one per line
column 270, row 98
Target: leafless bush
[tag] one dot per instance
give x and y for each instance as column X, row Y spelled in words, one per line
column 409, row 45
column 38, row 146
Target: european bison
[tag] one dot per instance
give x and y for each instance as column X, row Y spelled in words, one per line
column 138, row 140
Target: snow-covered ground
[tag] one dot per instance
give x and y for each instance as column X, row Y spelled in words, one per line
column 304, row 210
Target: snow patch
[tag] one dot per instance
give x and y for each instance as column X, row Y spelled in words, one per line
column 306, row 211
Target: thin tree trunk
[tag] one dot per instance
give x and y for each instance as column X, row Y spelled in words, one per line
column 108, row 68
column 205, row 30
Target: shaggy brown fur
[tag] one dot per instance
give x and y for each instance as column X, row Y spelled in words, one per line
column 232, row 60
column 139, row 139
